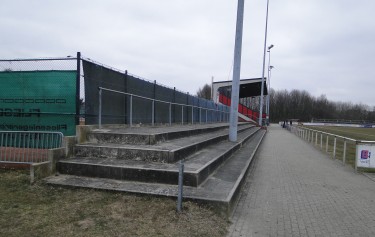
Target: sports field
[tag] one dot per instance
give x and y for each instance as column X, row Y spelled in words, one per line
column 320, row 141
column 367, row 134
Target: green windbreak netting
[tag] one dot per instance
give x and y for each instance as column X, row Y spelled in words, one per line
column 38, row 101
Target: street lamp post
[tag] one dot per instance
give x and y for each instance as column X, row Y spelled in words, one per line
column 264, row 63
column 269, row 88
column 269, row 84
column 233, row 120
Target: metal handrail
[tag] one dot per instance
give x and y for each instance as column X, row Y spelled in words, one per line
column 153, row 106
column 308, row 134
column 331, row 134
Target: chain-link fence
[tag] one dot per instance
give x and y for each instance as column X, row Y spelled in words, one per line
column 47, row 94
column 39, row 95
column 148, row 106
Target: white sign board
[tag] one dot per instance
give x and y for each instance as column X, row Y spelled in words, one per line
column 365, row 153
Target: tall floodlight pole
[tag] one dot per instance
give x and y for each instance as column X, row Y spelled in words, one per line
column 269, row 88
column 269, row 84
column 233, row 119
column 264, row 63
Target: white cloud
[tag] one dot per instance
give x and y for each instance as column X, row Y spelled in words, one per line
column 325, row 47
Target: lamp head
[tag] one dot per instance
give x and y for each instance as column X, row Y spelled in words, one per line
column 270, row 47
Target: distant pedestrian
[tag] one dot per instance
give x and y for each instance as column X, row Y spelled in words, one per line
column 284, row 124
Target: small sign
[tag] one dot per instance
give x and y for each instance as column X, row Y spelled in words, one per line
column 364, row 155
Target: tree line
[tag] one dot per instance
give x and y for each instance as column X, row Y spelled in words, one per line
column 300, row 104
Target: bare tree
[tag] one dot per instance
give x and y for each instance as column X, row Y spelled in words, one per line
column 204, row 92
column 302, row 105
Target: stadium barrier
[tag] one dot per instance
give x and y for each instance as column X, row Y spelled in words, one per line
column 36, row 150
column 28, row 147
column 361, row 150
column 216, row 114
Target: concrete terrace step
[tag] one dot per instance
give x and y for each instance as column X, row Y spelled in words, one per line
column 165, row 152
column 197, row 166
column 221, row 189
column 151, row 135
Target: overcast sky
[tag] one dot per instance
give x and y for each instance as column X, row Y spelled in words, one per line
column 322, row 46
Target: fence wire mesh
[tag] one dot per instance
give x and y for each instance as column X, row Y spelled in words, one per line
column 39, row 95
column 117, row 108
column 55, row 94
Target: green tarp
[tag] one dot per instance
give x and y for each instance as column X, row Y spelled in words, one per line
column 38, row 101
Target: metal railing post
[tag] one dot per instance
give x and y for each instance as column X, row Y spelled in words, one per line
column 344, row 153
column 200, row 115
column 316, row 138
column 206, row 115
column 131, row 111
column 192, row 114
column 170, row 114
column 356, row 156
column 182, row 114
column 334, row 148
column 100, row 108
column 153, row 113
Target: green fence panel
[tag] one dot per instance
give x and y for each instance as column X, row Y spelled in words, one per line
column 38, row 101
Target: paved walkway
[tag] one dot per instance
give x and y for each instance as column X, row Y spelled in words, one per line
column 294, row 189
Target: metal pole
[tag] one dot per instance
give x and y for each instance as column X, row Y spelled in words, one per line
column 356, row 156
column 78, row 84
column 182, row 115
column 180, row 185
column 316, row 138
column 264, row 63
column 153, row 112
column 206, row 115
column 269, row 83
column 344, row 153
column 334, row 148
column 236, row 73
column 327, row 144
column 131, row 111
column 192, row 114
column 170, row 114
column 200, row 115
column 100, row 108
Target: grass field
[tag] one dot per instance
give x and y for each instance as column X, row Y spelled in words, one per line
column 354, row 133
column 367, row 134
column 43, row 210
